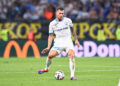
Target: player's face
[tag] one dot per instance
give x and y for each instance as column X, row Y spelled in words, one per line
column 60, row 14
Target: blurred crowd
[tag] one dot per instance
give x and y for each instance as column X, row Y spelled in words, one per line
column 45, row 9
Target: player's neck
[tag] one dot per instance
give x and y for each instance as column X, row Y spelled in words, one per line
column 59, row 19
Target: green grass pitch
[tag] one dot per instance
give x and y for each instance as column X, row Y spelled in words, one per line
column 89, row 71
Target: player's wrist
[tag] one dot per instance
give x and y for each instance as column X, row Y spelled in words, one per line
column 48, row 47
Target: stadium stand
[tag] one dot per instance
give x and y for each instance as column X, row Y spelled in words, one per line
column 75, row 9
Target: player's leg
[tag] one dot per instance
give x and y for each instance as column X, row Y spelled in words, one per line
column 51, row 54
column 72, row 63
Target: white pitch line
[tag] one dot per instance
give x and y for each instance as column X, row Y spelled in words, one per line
column 102, row 66
column 92, row 66
column 97, row 70
column 69, row 71
column 18, row 72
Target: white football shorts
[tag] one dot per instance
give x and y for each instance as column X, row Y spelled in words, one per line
column 63, row 46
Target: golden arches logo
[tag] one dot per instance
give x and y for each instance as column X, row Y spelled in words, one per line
column 21, row 53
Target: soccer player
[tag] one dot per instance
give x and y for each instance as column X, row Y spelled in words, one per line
column 61, row 27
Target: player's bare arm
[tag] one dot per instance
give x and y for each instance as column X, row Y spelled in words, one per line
column 75, row 37
column 50, row 39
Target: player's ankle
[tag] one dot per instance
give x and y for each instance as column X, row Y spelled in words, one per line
column 72, row 76
column 46, row 69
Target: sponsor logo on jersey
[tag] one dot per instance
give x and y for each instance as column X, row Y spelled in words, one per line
column 62, row 29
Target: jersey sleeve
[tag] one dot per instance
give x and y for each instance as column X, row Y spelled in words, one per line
column 70, row 23
column 50, row 28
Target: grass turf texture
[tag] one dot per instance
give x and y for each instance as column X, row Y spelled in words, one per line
column 89, row 71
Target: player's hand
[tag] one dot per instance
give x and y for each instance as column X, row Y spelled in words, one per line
column 45, row 50
column 77, row 43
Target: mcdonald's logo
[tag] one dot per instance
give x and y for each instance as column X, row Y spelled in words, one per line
column 21, row 53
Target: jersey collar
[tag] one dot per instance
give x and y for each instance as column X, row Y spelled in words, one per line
column 60, row 20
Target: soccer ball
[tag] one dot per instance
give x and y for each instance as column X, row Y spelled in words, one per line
column 59, row 75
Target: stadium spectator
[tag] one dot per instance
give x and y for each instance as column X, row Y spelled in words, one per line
column 93, row 13
column 27, row 15
column 75, row 9
column 68, row 7
column 74, row 13
column 35, row 15
column 53, row 2
column 4, row 33
column 118, row 33
column 113, row 14
column 48, row 13
column 3, row 11
column 31, row 35
column 83, row 13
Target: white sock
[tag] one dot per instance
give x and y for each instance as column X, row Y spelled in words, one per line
column 119, row 83
column 72, row 66
column 48, row 62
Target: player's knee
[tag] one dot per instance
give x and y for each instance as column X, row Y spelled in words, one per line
column 71, row 55
column 50, row 56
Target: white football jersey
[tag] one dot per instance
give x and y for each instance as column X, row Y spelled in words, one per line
column 61, row 29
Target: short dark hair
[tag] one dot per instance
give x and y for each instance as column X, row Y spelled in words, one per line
column 59, row 8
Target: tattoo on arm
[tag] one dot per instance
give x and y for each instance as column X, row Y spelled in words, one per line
column 74, row 33
column 50, row 39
